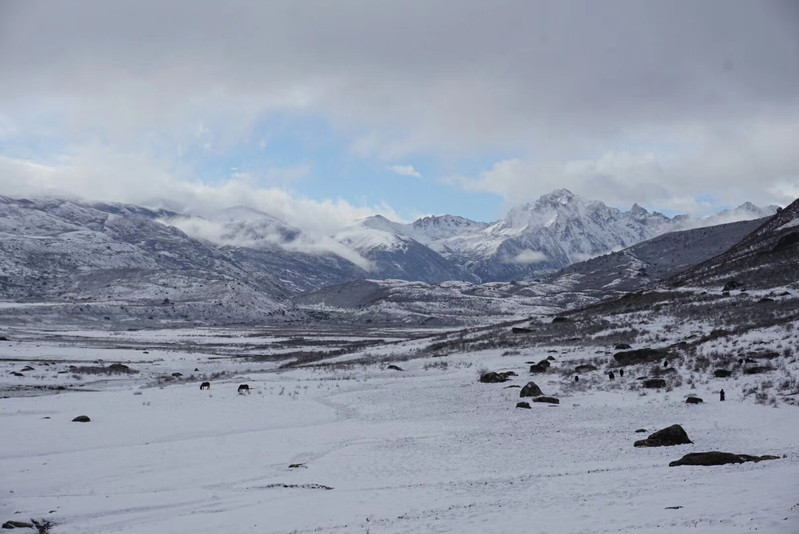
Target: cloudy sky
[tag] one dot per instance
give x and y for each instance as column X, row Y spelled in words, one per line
column 324, row 111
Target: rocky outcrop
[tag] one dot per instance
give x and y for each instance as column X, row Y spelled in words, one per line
column 531, row 390
column 666, row 437
column 633, row 357
column 718, row 458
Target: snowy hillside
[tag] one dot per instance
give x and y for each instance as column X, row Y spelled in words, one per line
column 119, row 260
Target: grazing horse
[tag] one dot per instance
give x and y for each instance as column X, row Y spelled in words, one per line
column 205, row 385
column 611, row 375
column 244, row 388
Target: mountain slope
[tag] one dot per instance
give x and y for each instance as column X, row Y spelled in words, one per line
column 393, row 254
column 95, row 255
column 765, row 258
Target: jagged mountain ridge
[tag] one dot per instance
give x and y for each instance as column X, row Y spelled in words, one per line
column 544, row 236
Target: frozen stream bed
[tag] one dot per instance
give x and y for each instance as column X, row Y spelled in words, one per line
column 426, row 449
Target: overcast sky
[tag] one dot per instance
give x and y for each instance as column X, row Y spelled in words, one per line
column 323, row 111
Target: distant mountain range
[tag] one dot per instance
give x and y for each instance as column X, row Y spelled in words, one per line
column 538, row 238
column 243, row 265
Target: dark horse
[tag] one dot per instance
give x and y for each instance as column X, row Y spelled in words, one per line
column 244, row 388
column 205, row 385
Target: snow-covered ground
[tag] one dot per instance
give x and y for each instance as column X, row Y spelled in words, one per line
column 426, row 449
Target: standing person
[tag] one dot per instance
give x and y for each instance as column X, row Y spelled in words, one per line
column 721, row 395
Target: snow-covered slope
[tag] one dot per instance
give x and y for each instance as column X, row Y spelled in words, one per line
column 112, row 260
column 393, row 254
column 540, row 237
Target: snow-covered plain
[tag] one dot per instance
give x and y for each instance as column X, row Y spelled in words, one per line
column 426, row 449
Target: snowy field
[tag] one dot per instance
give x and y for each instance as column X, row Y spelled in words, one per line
column 425, row 449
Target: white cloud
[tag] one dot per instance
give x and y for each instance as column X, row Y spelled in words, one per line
column 702, row 171
column 529, row 256
column 96, row 173
column 405, row 170
column 623, row 112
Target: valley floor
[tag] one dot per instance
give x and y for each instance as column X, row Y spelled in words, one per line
column 425, row 449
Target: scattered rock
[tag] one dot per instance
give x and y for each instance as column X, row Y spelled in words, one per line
column 3, row 338
column 394, row 367
column 654, row 383
column 512, row 386
column 81, row 419
column 585, row 368
column 538, row 368
column 544, row 363
column 673, row 507
column 693, row 400
column 531, row 390
column 560, row 319
column 768, row 355
column 523, row 405
column 14, row 373
column 758, row 369
column 640, row 431
column 17, row 524
column 632, row 357
column 721, row 373
column 718, row 458
column 296, row 466
column 121, row 368
column 492, row 377
column 177, row 375
column 666, row 437
column 520, row 330
column 622, row 346
column 732, row 284
column 548, row 400
column 26, row 368
column 551, row 358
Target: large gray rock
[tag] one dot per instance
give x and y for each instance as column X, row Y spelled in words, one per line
column 531, row 390
column 492, row 377
column 633, row 357
column 718, row 458
column 666, row 437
